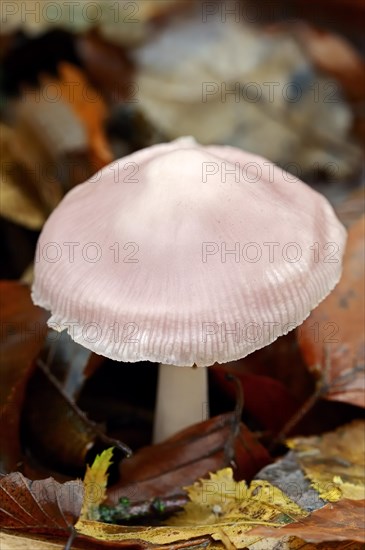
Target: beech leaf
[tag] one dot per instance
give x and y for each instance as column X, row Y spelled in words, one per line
column 23, row 330
column 162, row 470
column 42, row 506
column 219, row 507
column 340, row 521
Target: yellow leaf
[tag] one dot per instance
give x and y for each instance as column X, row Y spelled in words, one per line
column 227, row 514
column 220, row 508
column 335, row 461
column 95, row 483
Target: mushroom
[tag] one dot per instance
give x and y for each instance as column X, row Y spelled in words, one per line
column 186, row 255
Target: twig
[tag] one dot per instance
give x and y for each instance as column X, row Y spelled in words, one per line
column 92, row 425
column 71, row 538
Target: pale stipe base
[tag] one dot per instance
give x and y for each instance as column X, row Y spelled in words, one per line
column 182, row 399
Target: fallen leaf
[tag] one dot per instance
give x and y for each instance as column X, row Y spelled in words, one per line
column 12, row 541
column 54, row 434
column 23, row 330
column 95, row 483
column 287, row 474
column 220, row 499
column 56, row 431
column 42, row 506
column 266, row 399
column 339, row 521
column 221, row 508
column 335, row 461
column 332, row 338
column 42, row 432
column 163, row 469
column 18, row 542
column 223, row 513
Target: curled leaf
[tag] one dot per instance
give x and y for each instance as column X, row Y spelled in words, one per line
column 23, row 330
column 163, row 469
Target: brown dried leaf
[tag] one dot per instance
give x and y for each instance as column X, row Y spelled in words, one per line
column 163, row 469
column 23, row 330
column 339, row 521
column 219, row 507
column 51, row 429
column 332, row 339
column 53, row 433
column 55, row 429
column 335, row 461
column 267, row 400
column 43, row 506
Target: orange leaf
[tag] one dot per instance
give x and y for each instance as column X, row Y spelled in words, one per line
column 333, row 337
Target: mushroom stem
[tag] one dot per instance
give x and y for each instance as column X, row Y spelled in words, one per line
column 182, row 399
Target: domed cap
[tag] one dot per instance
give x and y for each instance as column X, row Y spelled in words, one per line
column 186, row 254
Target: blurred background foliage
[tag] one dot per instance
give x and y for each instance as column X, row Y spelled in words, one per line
column 84, row 83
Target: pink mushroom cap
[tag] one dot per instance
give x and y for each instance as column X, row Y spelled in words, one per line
column 184, row 254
